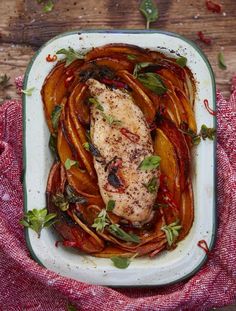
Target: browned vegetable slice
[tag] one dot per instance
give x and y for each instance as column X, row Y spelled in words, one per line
column 181, row 149
column 116, row 50
column 188, row 109
column 186, row 210
column 77, row 178
column 47, row 92
column 169, row 162
column 114, row 64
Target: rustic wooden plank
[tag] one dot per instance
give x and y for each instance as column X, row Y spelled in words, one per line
column 13, row 62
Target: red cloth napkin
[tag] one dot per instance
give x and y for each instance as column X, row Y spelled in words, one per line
column 27, row 286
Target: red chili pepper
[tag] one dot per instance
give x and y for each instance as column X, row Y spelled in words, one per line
column 203, row 245
column 69, row 80
column 131, row 136
column 118, row 84
column 67, row 243
column 213, row 7
column 50, row 58
column 110, row 188
column 202, row 37
column 211, row 111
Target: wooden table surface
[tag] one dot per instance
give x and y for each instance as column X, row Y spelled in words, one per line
column 24, row 28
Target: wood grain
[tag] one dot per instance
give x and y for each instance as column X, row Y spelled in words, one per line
column 24, row 28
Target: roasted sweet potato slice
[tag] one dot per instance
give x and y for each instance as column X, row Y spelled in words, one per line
column 188, row 110
column 186, row 210
column 169, row 75
column 116, row 50
column 180, row 146
column 77, row 178
column 48, row 90
column 114, row 64
column 169, row 163
column 78, row 108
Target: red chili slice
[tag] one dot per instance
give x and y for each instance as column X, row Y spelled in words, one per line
column 203, row 245
column 67, row 243
column 50, row 58
column 211, row 111
column 213, row 7
column 202, row 37
column 131, row 136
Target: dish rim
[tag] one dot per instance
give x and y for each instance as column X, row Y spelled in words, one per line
column 213, row 86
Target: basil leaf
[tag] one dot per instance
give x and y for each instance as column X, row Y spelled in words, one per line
column 29, row 91
column 96, row 103
column 48, row 7
column 71, row 307
column 53, row 146
column 86, row 146
column 38, row 219
column 149, row 9
column 131, row 56
column 153, row 82
column 120, row 262
column 151, row 185
column 181, row 61
column 121, row 234
column 171, row 231
column 70, row 55
column 69, row 163
column 55, row 116
column 150, row 163
column 221, row 61
column 110, row 205
column 140, row 66
column 4, row 82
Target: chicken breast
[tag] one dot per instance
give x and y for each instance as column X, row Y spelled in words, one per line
column 121, row 134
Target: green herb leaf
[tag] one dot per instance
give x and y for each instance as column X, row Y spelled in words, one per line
column 60, row 201
column 110, row 205
column 101, row 221
column 29, row 91
column 55, row 116
column 171, row 231
column 70, row 307
column 153, row 82
column 151, row 185
column 221, row 61
column 122, row 235
column 69, row 163
column 149, row 9
column 86, row 146
column 4, row 82
column 96, row 103
column 181, row 61
column 150, row 163
column 63, row 201
column 38, row 219
column 140, row 66
column 110, row 119
column 131, row 56
column 207, row 132
column 48, row 7
column 121, row 262
column 70, row 55
column 53, row 146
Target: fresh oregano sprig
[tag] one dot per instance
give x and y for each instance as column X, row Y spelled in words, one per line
column 172, row 231
column 38, row 219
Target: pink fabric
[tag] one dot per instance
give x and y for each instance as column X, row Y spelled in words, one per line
column 27, row 286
